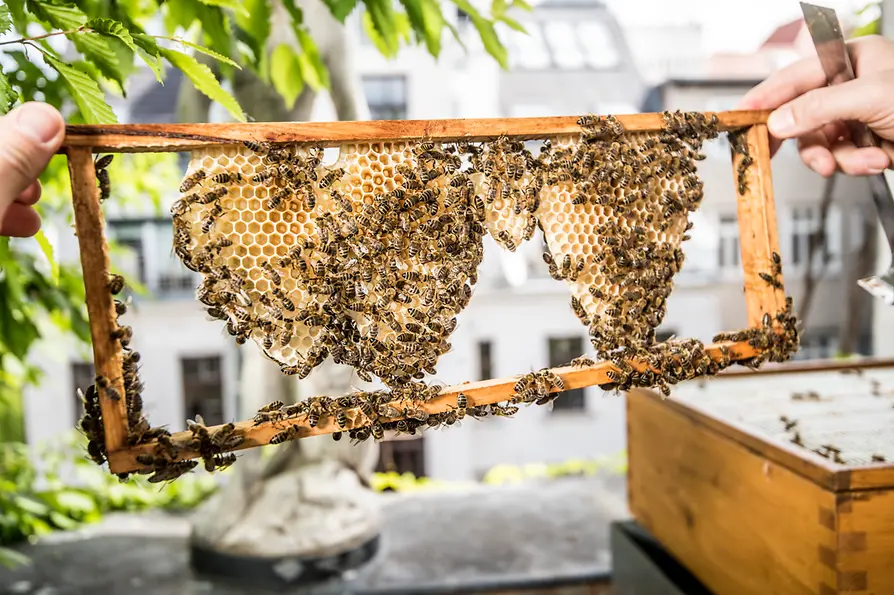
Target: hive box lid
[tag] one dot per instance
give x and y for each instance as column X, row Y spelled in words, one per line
column 846, row 404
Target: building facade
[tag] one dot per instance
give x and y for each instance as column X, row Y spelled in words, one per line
column 575, row 61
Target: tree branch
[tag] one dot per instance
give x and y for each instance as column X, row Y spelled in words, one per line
column 22, row 40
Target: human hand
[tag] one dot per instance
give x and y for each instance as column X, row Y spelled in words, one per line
column 806, row 109
column 29, row 136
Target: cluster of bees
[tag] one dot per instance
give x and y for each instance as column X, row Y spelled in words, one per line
column 379, row 253
column 377, row 284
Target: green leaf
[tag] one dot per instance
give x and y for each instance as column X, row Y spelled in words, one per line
column 235, row 5
column 285, row 72
column 217, row 32
column 498, row 8
column 383, row 20
column 295, row 12
column 207, row 52
column 256, row 23
column 512, row 23
column 11, row 558
column 340, row 9
column 313, row 69
column 522, row 5
column 8, row 95
column 147, row 50
column 85, row 92
column 486, row 31
column 5, row 19
column 47, row 250
column 426, row 18
column 97, row 50
column 204, row 80
column 114, row 29
column 61, row 16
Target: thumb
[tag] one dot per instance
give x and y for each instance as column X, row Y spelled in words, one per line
column 29, row 136
column 811, row 111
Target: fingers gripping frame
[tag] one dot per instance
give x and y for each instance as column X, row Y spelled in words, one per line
column 756, row 211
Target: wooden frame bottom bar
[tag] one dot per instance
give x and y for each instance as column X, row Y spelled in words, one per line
column 477, row 393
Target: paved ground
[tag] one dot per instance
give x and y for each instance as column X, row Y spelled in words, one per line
column 536, row 531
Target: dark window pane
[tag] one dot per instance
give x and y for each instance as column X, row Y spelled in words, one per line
column 561, row 352
column 485, row 360
column 664, row 335
column 386, row 97
column 203, row 388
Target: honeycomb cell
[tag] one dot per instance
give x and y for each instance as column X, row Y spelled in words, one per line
column 240, row 227
column 240, row 204
column 254, row 227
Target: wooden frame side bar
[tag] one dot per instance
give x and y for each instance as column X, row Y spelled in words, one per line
column 139, row 138
column 758, row 230
column 100, row 303
column 477, row 393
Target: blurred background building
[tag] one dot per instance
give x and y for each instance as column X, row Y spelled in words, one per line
column 577, row 58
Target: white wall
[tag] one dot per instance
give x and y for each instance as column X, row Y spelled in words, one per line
column 164, row 332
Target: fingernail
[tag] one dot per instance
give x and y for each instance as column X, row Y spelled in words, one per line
column 781, row 121
column 874, row 170
column 814, row 164
column 39, row 121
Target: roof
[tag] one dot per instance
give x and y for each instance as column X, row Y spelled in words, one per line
column 785, row 34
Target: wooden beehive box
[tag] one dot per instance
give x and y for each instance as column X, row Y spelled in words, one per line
column 715, row 477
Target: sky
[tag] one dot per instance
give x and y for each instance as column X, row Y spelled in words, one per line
column 727, row 25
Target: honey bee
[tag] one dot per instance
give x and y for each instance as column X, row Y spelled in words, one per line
column 116, row 284
column 212, row 216
column 331, row 177
column 290, row 433
column 276, row 200
column 226, row 177
column 191, row 181
column 253, row 146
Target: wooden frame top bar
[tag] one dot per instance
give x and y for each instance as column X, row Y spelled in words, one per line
column 143, row 138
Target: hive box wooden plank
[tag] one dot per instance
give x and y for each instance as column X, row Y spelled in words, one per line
column 746, row 511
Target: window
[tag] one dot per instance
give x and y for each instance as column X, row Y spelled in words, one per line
column 599, row 46
column 529, row 50
column 804, row 222
column 728, row 255
column 172, row 275
column 202, row 388
column 130, row 237
column 401, row 455
column 561, row 352
column 386, row 97
column 664, row 335
column 82, row 376
column 566, row 51
column 485, row 360
column 819, row 343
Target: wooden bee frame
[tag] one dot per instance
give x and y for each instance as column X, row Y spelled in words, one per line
column 756, row 214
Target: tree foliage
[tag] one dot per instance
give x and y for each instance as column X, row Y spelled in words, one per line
column 76, row 55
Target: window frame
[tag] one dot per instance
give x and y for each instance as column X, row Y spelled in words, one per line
column 189, row 387
column 400, row 108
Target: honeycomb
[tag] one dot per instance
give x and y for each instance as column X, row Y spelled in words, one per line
column 371, row 258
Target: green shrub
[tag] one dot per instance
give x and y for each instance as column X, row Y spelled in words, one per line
column 35, row 502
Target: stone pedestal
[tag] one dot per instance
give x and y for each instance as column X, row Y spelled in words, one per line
column 301, row 513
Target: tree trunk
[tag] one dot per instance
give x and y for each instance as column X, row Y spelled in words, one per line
column 311, row 498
